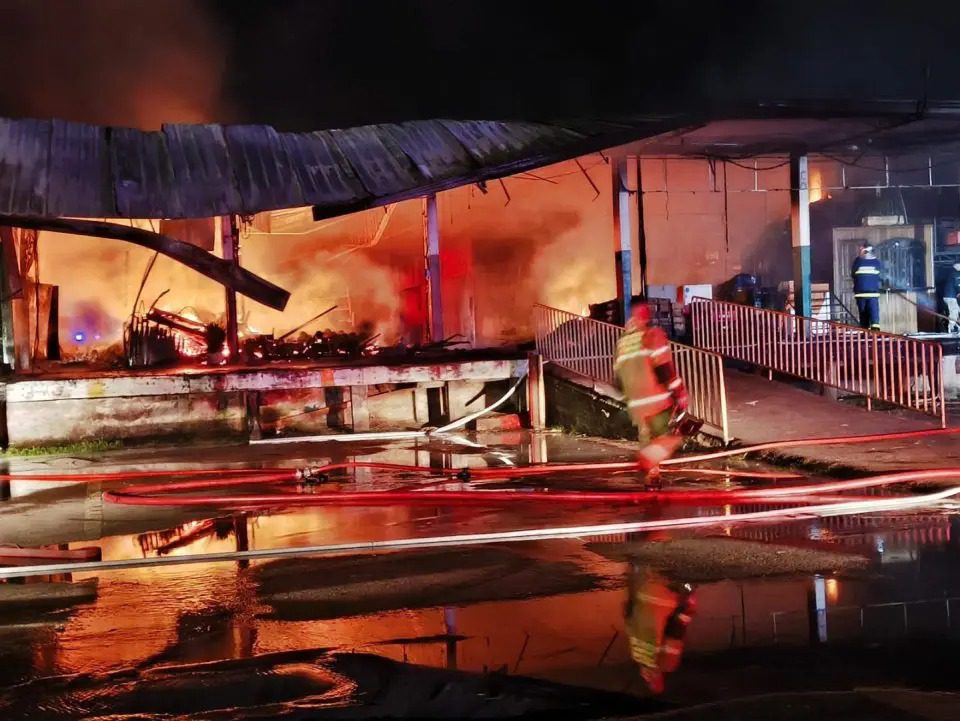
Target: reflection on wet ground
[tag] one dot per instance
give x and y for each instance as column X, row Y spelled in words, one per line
column 530, row 625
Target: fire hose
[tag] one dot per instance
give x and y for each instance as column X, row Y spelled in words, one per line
column 235, row 477
column 579, row 532
column 820, row 497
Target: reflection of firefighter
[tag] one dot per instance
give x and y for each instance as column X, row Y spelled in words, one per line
column 657, row 614
column 655, row 393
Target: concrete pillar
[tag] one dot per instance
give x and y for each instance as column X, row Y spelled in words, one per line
column 450, row 631
column 251, row 402
column 458, row 394
column 359, row 412
column 639, row 267
column 421, row 412
column 431, row 251
column 16, row 313
column 6, row 308
column 538, row 449
column 536, row 398
column 626, row 226
column 231, row 252
column 817, row 605
column 800, row 233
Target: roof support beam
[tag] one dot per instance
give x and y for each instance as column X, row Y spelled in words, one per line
column 230, row 237
column 225, row 272
column 800, row 234
column 626, row 228
column 431, row 250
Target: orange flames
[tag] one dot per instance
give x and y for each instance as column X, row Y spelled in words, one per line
column 550, row 243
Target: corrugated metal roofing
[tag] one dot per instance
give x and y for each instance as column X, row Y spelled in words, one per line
column 261, row 169
column 80, row 182
column 201, row 165
column 23, row 166
column 143, row 175
column 380, row 164
column 326, row 178
column 433, row 149
column 50, row 168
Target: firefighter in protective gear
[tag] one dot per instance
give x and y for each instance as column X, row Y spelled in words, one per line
column 654, row 392
column 950, row 295
column 866, row 287
column 656, row 617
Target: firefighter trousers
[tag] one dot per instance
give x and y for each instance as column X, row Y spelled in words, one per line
column 869, row 310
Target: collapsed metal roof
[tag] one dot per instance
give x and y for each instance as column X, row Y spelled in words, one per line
column 54, row 168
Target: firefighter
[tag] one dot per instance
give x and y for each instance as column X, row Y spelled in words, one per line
column 950, row 295
column 656, row 617
column 655, row 393
column 866, row 287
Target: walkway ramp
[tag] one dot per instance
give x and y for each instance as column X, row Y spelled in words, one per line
column 761, row 410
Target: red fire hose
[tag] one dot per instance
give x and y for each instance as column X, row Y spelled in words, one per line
column 160, row 494
column 292, row 488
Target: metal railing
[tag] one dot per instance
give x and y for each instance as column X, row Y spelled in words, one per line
column 932, row 621
column 587, row 347
column 824, row 301
column 880, row 366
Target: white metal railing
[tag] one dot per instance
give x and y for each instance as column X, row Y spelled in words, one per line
column 587, row 347
column 881, row 366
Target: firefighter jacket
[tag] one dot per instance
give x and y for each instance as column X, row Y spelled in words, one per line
column 648, row 609
column 866, row 277
column 951, row 285
column 644, row 367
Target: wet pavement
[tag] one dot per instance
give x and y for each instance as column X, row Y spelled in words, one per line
column 507, row 630
column 761, row 410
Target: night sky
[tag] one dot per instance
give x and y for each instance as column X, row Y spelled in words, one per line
column 308, row 64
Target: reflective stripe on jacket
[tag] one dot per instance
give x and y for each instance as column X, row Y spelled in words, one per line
column 866, row 277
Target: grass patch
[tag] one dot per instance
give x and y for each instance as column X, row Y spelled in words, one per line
column 78, row 448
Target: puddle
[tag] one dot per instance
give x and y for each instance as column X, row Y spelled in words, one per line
column 497, row 631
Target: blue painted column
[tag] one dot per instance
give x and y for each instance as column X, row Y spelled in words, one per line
column 626, row 225
column 800, row 234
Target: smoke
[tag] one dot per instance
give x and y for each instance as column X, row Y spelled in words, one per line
column 319, row 277
column 111, row 62
column 548, row 242
column 99, row 280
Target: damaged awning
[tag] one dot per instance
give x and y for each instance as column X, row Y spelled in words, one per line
column 57, row 169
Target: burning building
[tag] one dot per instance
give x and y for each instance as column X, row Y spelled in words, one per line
column 224, row 249
column 180, row 251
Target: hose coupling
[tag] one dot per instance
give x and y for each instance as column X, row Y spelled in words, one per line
column 310, row 476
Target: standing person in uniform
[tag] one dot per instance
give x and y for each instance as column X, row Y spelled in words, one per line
column 654, row 392
column 866, row 287
column 949, row 295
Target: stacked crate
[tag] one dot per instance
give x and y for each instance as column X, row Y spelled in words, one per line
column 661, row 315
